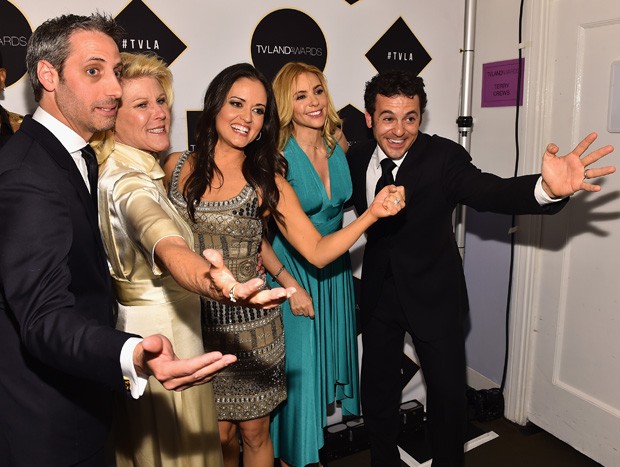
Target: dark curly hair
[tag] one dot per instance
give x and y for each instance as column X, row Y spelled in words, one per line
column 394, row 83
column 262, row 161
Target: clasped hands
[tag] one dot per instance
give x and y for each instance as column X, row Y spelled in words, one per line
column 389, row 201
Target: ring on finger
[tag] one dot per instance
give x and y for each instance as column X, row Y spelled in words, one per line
column 231, row 293
column 585, row 174
column 396, row 201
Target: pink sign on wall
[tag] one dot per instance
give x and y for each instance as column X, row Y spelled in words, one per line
column 499, row 83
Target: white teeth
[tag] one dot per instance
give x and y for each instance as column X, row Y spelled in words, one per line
column 241, row 129
column 396, row 141
column 156, row 130
column 315, row 113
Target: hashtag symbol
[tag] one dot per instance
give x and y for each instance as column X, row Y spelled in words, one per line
column 124, row 44
column 389, row 55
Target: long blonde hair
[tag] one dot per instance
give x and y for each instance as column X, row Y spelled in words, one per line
column 283, row 90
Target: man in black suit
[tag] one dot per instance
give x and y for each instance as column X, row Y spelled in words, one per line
column 412, row 277
column 60, row 356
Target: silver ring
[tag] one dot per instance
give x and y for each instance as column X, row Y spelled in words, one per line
column 585, row 174
column 396, row 201
column 231, row 294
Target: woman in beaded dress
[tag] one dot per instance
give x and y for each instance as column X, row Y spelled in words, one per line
column 228, row 188
column 152, row 263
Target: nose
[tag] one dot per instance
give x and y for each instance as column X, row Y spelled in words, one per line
column 398, row 128
column 246, row 114
column 114, row 88
column 160, row 112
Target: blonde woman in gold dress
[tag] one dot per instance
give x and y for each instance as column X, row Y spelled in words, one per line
column 152, row 265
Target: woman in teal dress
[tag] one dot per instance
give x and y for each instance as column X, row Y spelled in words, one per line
column 319, row 319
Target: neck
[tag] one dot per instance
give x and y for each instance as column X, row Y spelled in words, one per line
column 309, row 137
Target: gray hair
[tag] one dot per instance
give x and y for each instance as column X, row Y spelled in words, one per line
column 50, row 42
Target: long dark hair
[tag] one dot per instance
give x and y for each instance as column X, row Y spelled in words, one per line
column 262, row 161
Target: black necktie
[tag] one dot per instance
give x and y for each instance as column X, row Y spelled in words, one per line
column 387, row 166
column 91, row 165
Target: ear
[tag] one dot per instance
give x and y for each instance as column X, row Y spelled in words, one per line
column 47, row 74
column 2, row 78
column 368, row 119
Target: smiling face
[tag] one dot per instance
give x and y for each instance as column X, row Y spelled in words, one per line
column 309, row 102
column 395, row 123
column 241, row 118
column 143, row 120
column 85, row 97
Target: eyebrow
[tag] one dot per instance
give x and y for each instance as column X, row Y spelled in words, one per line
column 243, row 100
column 303, row 90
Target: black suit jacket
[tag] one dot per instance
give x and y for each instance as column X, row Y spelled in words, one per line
column 59, row 352
column 418, row 246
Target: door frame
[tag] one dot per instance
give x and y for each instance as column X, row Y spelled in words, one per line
column 534, row 136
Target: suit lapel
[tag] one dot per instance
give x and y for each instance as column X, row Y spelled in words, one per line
column 410, row 171
column 359, row 167
column 59, row 154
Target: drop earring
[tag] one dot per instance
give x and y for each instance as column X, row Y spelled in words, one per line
column 260, row 134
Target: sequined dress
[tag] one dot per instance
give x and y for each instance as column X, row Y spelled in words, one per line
column 256, row 383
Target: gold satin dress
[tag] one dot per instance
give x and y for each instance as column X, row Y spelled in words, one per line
column 161, row 428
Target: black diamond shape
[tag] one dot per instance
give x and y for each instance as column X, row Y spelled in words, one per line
column 351, row 2
column 398, row 49
column 408, row 370
column 354, row 125
column 145, row 32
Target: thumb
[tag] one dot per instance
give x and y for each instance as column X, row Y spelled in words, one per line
column 214, row 257
column 551, row 150
column 153, row 344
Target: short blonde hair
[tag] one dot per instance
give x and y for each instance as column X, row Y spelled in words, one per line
column 144, row 65
column 283, row 90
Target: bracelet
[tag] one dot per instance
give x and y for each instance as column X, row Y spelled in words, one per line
column 275, row 276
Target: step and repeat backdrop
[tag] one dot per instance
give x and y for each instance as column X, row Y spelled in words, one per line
column 350, row 40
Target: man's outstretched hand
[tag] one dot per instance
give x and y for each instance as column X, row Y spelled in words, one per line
column 154, row 356
column 564, row 176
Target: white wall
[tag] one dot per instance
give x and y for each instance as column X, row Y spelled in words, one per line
column 487, row 248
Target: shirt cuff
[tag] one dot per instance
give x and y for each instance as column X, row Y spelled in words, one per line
column 135, row 384
column 541, row 195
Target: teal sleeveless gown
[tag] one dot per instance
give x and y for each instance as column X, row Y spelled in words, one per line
column 321, row 354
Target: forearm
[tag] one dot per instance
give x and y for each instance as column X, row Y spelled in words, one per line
column 320, row 251
column 275, row 267
column 188, row 269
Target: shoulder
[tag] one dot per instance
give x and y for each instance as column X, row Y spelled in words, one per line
column 362, row 148
column 172, row 160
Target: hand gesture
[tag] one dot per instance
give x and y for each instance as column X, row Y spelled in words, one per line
column 564, row 176
column 301, row 304
column 155, row 356
column 225, row 288
column 389, row 201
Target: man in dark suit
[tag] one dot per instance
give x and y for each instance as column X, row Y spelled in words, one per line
column 60, row 356
column 412, row 276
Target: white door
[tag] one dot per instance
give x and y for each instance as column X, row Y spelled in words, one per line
column 574, row 369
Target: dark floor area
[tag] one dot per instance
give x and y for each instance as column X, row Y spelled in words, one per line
column 516, row 446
